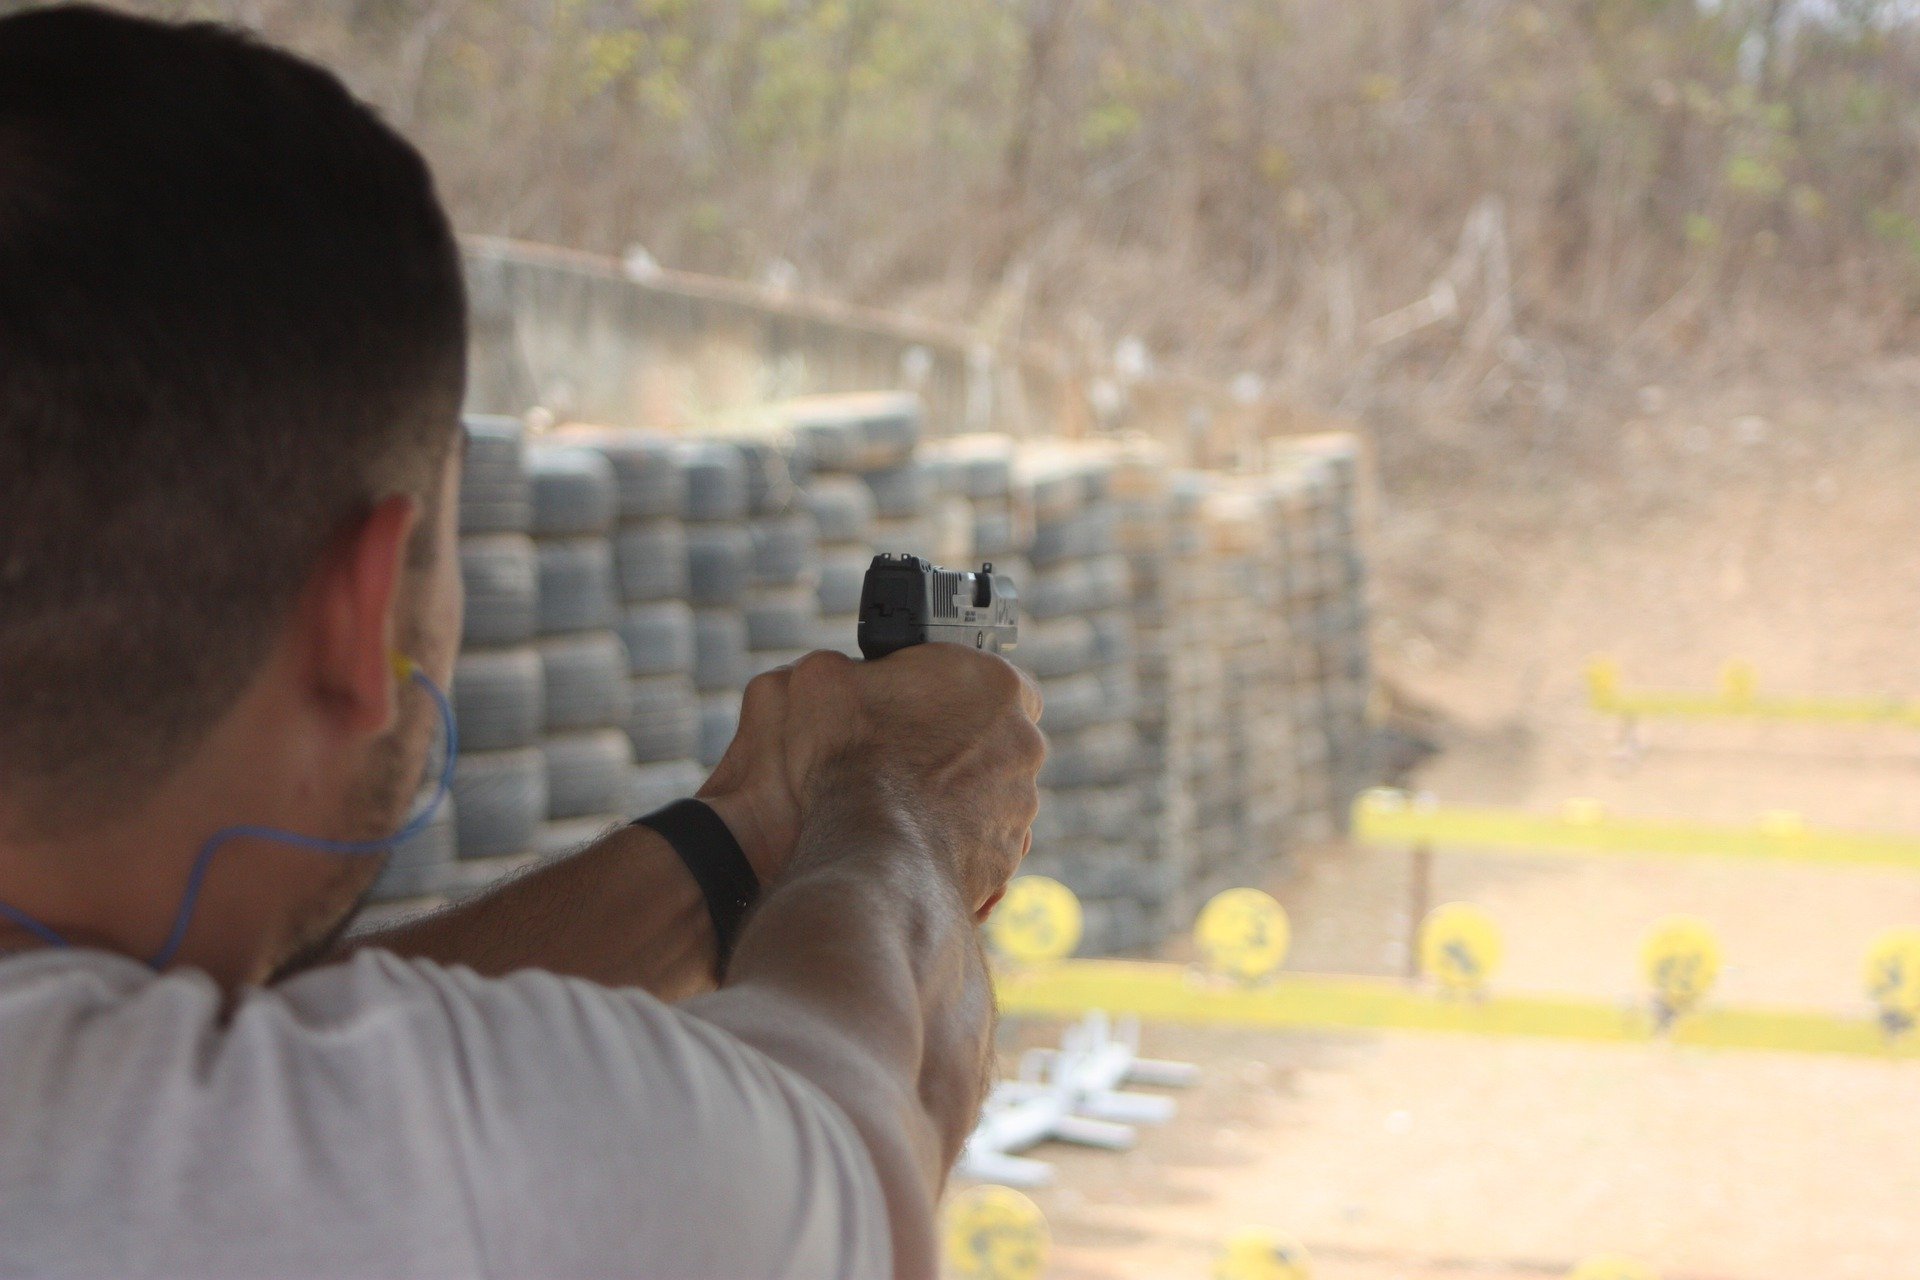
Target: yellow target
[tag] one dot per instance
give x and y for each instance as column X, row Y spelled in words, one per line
column 1254, row 1254
column 1037, row 920
column 1460, row 947
column 1893, row 979
column 1244, row 934
column 995, row 1233
column 1612, row 1267
column 1680, row 960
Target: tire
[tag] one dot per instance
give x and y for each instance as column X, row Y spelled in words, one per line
column 719, row 561
column 1116, row 926
column 890, row 434
column 786, row 618
column 860, row 432
column 1113, row 640
column 771, row 487
column 1059, row 592
column 1109, row 582
column 719, row 650
column 1062, row 818
column 654, row 786
column 498, row 699
column 1119, row 691
column 1086, row 533
column 842, row 509
column 1100, row 870
column 1109, row 814
column 719, row 721
column 716, row 480
column 1053, row 492
column 495, row 494
column 986, row 476
column 499, row 801
column 663, row 719
column 646, row 471
column 659, row 638
column 500, row 572
column 905, row 490
column 996, row 533
column 576, row 585
column 1096, row 482
column 587, row 773
column 1061, row 647
column 650, row 561
column 1072, row 703
column 1104, row 755
column 843, row 571
column 785, row 550
column 585, row 680
column 419, row 865
column 574, row 490
column 1114, row 813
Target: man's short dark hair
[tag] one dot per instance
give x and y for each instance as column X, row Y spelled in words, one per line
column 231, row 319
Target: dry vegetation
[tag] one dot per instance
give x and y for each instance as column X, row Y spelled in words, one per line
column 1240, row 183
column 1480, row 225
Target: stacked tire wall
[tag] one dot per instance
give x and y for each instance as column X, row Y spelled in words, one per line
column 499, row 801
column 1200, row 638
column 592, row 776
column 864, row 486
column 1078, row 604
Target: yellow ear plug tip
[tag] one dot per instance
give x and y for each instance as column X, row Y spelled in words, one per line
column 404, row 667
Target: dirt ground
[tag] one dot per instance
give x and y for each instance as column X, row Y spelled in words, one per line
column 1779, row 529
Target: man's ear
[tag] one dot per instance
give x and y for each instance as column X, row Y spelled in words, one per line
column 351, row 615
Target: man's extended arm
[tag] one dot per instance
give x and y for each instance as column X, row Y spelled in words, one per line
column 861, row 972
column 624, row 912
column 908, row 786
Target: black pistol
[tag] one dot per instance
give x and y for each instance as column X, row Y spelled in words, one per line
column 907, row 601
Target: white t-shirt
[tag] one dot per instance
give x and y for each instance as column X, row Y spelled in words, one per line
column 394, row 1118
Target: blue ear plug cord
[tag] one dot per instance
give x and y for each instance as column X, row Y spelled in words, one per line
column 341, row 848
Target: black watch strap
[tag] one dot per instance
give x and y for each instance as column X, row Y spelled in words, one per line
column 718, row 864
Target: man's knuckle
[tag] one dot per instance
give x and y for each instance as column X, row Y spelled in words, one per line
column 765, row 687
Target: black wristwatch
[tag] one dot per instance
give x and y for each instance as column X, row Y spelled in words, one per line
column 718, row 864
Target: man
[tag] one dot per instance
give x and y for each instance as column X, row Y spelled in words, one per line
column 232, row 340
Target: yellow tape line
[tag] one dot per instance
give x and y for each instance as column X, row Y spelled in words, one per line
column 1175, row 993
column 1390, row 819
column 1738, row 700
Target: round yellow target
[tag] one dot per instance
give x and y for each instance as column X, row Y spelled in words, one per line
column 1893, row 979
column 1244, row 934
column 1037, row 920
column 1460, row 947
column 1611, row 1267
column 995, row 1233
column 1680, row 960
column 1254, row 1254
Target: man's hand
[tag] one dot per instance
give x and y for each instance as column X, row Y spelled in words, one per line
column 944, row 736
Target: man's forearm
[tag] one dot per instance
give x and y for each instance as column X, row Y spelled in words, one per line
column 864, row 975
column 624, row 912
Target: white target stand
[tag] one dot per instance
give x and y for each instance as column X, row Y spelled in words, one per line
column 1071, row 1094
